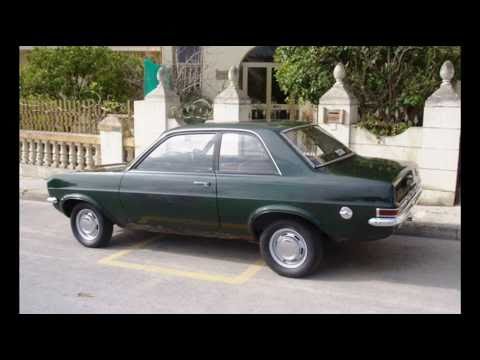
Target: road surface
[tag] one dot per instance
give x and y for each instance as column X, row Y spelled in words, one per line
column 148, row 273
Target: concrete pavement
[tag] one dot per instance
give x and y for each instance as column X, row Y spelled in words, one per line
column 145, row 273
column 441, row 222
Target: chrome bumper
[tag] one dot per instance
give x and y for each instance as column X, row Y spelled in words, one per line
column 404, row 210
column 52, row 200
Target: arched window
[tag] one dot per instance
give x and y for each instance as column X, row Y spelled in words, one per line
column 257, row 79
column 188, row 54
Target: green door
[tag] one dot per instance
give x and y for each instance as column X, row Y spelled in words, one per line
column 246, row 180
column 174, row 187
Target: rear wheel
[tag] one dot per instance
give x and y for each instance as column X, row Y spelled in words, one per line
column 291, row 248
column 89, row 226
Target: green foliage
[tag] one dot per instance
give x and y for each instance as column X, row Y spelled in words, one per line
column 82, row 72
column 382, row 128
column 379, row 76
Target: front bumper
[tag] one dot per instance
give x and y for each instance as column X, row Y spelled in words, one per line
column 52, row 200
column 404, row 211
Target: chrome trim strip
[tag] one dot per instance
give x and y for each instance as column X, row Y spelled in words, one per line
column 283, row 132
column 52, row 200
column 206, row 130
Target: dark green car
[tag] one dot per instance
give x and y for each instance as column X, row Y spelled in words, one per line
column 289, row 186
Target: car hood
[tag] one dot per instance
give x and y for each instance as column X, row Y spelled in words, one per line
column 370, row 168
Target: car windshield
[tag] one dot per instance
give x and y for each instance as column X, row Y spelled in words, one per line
column 318, row 146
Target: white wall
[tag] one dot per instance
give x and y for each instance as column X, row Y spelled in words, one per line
column 435, row 150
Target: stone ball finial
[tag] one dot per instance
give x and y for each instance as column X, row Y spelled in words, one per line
column 233, row 75
column 161, row 74
column 447, row 71
column 339, row 73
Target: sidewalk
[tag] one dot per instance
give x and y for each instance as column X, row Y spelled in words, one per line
column 442, row 222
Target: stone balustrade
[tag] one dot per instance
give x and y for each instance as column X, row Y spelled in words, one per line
column 59, row 150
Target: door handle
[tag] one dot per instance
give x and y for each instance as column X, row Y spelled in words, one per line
column 204, row 183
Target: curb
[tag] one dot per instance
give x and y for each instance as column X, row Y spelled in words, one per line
column 410, row 228
column 31, row 195
column 431, row 230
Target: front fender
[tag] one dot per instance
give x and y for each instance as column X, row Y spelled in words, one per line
column 281, row 209
column 85, row 198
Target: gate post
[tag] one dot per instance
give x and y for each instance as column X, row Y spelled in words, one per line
column 338, row 108
column 441, row 141
column 154, row 114
column 232, row 104
column 111, row 140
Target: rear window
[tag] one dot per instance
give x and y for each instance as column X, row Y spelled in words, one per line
column 316, row 145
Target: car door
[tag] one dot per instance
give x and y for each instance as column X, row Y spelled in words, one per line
column 173, row 187
column 247, row 179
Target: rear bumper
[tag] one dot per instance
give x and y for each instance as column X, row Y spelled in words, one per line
column 404, row 211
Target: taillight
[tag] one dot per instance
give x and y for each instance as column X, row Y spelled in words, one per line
column 387, row 212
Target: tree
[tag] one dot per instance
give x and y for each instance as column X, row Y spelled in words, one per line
column 380, row 76
column 82, row 72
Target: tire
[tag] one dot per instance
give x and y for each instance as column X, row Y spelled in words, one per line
column 284, row 240
column 95, row 230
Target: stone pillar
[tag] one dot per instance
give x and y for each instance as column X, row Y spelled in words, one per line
column 338, row 108
column 111, row 140
column 441, row 141
column 232, row 104
column 155, row 114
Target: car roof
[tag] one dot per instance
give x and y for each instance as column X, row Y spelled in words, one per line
column 251, row 125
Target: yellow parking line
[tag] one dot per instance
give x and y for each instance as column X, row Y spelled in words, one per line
column 119, row 254
column 112, row 260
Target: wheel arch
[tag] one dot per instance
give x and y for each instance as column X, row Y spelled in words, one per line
column 265, row 215
column 68, row 202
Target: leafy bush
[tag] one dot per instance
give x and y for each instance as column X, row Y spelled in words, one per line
column 397, row 78
column 82, row 72
column 382, row 128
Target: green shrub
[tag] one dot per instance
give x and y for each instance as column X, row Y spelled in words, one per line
column 82, row 72
column 382, row 128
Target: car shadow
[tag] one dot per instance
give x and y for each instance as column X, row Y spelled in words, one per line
column 237, row 251
column 407, row 260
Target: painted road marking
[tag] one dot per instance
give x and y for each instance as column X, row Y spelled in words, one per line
column 113, row 260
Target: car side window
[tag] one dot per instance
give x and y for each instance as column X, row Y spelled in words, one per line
column 182, row 153
column 244, row 154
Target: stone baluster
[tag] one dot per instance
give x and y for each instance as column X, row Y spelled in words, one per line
column 39, row 152
column 88, row 157
column 55, row 154
column 31, row 151
column 98, row 156
column 80, row 158
column 71, row 156
column 129, row 153
column 47, row 156
column 24, row 151
column 63, row 155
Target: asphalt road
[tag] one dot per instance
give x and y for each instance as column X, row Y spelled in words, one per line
column 148, row 273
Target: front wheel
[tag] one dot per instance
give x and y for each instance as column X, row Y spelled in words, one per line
column 89, row 226
column 291, row 248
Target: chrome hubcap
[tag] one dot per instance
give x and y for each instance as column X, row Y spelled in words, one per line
column 288, row 248
column 87, row 224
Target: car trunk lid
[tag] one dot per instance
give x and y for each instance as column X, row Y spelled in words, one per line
column 402, row 175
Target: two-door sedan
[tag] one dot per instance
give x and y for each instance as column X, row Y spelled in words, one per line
column 289, row 186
